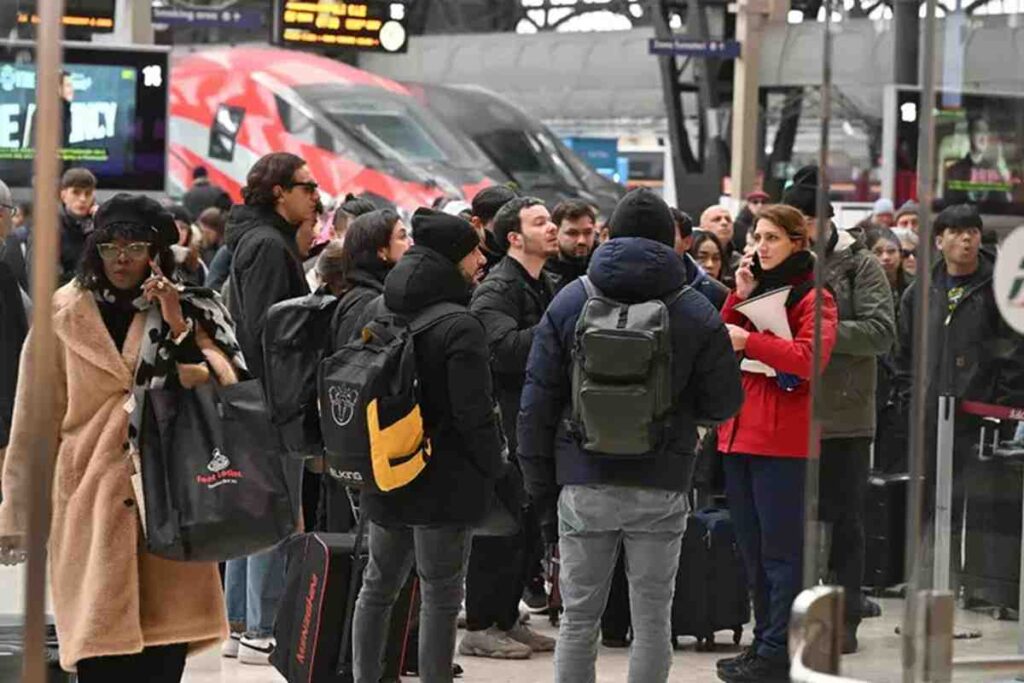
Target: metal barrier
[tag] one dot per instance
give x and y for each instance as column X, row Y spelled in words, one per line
column 815, row 636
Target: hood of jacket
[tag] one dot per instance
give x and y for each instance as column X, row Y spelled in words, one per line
column 634, row 269
column 244, row 219
column 423, row 277
column 695, row 273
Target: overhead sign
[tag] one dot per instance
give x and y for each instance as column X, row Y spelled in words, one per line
column 1008, row 281
column 324, row 24
column 242, row 17
column 703, row 49
column 81, row 17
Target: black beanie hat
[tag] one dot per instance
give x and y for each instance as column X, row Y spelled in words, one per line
column 450, row 236
column 642, row 213
column 803, row 193
column 138, row 209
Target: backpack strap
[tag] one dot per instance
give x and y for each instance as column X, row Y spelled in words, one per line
column 591, row 288
column 593, row 291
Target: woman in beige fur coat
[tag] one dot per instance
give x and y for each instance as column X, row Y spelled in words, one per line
column 122, row 614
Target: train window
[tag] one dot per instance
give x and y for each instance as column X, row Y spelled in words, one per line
column 300, row 125
column 224, row 132
column 387, row 123
column 520, row 156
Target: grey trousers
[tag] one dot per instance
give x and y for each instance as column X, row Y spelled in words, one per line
column 441, row 555
column 594, row 522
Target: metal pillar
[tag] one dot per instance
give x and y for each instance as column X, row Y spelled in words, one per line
column 906, row 44
column 943, row 493
column 41, row 343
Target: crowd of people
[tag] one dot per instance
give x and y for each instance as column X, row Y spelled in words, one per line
column 542, row 431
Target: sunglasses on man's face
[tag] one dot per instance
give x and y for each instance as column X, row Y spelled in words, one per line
column 310, row 187
column 135, row 251
column 907, row 253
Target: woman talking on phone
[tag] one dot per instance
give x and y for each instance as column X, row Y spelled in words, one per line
column 766, row 444
column 121, row 326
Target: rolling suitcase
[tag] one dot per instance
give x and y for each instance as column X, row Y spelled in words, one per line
column 885, row 530
column 711, row 584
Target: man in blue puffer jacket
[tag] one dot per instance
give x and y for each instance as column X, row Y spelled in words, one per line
column 639, row 502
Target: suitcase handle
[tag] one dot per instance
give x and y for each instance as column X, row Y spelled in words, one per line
column 345, row 666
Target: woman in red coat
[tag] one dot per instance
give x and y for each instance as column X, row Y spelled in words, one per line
column 766, row 444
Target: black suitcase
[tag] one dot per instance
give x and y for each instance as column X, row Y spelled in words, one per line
column 711, row 585
column 324, row 576
column 885, row 530
column 11, row 650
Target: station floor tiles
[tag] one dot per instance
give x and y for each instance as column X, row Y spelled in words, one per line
column 878, row 660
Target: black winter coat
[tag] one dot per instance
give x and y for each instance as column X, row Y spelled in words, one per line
column 457, row 485
column 265, row 269
column 366, row 286
column 974, row 354
column 12, row 336
column 705, row 377
column 562, row 271
column 13, row 252
column 510, row 304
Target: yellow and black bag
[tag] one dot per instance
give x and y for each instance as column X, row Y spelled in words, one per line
column 370, row 414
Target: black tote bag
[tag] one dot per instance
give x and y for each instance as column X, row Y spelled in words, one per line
column 213, row 480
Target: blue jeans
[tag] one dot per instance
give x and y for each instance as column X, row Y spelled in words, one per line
column 441, row 555
column 254, row 585
column 766, row 501
column 593, row 523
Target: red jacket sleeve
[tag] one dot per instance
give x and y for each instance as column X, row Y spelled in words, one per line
column 729, row 314
column 796, row 357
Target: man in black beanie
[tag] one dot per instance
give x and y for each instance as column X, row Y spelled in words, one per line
column 431, row 518
column 867, row 330
column 586, row 492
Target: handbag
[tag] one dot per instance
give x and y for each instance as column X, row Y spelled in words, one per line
column 213, row 480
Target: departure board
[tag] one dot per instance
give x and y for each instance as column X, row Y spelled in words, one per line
column 82, row 18
column 330, row 25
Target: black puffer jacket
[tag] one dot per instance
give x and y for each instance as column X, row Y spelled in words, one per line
column 367, row 285
column 265, row 268
column 974, row 355
column 451, row 359
column 510, row 303
column 564, row 270
column 12, row 337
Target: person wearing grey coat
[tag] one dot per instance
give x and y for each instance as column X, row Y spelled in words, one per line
column 866, row 331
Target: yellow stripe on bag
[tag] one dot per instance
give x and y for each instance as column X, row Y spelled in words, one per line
column 398, row 452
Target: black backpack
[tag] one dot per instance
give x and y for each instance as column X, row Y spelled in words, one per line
column 370, row 416
column 295, row 340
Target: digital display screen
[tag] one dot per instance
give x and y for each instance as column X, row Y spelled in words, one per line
column 81, row 17
column 979, row 148
column 114, row 113
column 375, row 25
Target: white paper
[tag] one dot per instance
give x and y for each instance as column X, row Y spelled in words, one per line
column 768, row 313
column 757, row 367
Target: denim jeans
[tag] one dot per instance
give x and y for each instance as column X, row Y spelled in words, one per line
column 254, row 585
column 441, row 555
column 766, row 501
column 593, row 523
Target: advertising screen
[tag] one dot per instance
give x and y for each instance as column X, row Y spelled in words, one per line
column 114, row 111
column 979, row 149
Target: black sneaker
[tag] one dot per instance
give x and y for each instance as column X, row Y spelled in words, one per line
column 748, row 653
column 535, row 598
column 756, row 670
column 869, row 609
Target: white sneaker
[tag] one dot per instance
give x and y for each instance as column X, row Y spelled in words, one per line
column 229, row 648
column 255, row 651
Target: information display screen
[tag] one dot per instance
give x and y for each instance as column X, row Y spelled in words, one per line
column 114, row 111
column 979, row 148
column 81, row 17
column 374, row 25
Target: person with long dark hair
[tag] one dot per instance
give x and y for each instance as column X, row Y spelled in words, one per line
column 766, row 445
column 708, row 252
column 122, row 325
column 373, row 244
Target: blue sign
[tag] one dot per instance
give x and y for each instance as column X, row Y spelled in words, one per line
column 706, row 49
column 242, row 17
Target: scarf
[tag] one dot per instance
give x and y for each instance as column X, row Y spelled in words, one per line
column 799, row 264
column 156, row 364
